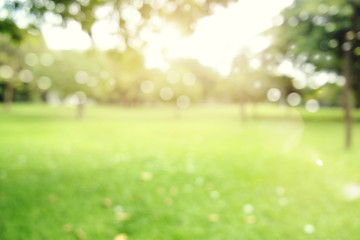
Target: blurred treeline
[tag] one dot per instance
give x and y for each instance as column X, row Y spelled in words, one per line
column 32, row 72
column 314, row 54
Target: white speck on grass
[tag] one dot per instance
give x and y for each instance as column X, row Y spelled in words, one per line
column 283, row 201
column 309, row 228
column 317, row 160
column 248, row 208
column 351, row 191
column 319, row 163
column 199, row 181
column 118, row 209
column 280, row 191
column 214, row 195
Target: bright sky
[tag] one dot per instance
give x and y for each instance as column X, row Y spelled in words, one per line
column 217, row 39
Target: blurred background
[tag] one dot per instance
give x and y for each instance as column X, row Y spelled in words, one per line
column 174, row 119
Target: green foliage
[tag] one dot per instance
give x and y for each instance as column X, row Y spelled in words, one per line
column 319, row 32
column 9, row 27
column 318, row 28
column 183, row 13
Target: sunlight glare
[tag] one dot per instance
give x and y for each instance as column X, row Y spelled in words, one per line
column 71, row 37
column 156, row 53
column 218, row 38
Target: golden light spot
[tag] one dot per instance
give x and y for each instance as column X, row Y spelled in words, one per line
column 168, row 201
column 250, row 219
column 121, row 216
column 52, row 198
column 67, row 228
column 209, row 186
column 174, row 191
column 146, row 176
column 160, row 190
column 121, row 236
column 107, row 202
column 213, row 217
column 80, row 234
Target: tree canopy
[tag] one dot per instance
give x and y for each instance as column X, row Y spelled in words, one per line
column 131, row 15
column 324, row 34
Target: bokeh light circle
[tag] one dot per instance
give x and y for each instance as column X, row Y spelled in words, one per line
column 147, row 86
column 166, row 93
column 273, row 94
column 183, row 102
column 293, row 99
column 312, row 105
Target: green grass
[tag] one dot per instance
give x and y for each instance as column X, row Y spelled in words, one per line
column 161, row 174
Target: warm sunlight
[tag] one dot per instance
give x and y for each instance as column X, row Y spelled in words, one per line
column 217, row 39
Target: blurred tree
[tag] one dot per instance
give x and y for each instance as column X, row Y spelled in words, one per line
column 10, row 65
column 131, row 15
column 251, row 80
column 8, row 27
column 325, row 34
column 197, row 81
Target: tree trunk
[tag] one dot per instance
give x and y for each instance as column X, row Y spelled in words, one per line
column 8, row 96
column 347, row 68
column 254, row 114
column 346, row 98
column 356, row 87
column 243, row 110
column 80, row 110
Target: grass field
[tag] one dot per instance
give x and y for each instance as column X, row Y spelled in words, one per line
column 161, row 174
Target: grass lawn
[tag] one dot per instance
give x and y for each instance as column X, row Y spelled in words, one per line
column 161, row 174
